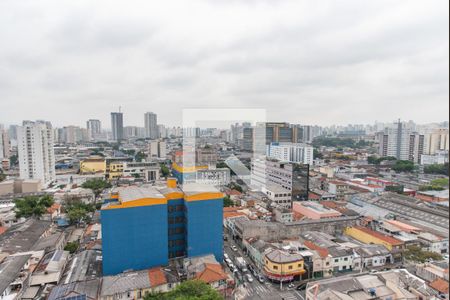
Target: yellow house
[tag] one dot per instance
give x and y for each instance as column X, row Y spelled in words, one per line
column 281, row 265
column 369, row 236
column 93, row 166
column 115, row 170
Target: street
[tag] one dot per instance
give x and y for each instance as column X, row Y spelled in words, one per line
column 256, row 290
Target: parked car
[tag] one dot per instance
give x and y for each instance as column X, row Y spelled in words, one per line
column 249, row 277
column 226, row 256
column 291, row 285
column 234, row 248
column 260, row 279
column 301, row 286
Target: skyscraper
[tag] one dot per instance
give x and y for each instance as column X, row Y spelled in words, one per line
column 36, row 153
column 151, row 126
column 401, row 141
column 94, row 128
column 117, row 126
column 4, row 144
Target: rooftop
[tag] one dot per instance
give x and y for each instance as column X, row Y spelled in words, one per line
column 281, row 256
column 22, row 237
column 378, row 235
column 10, row 269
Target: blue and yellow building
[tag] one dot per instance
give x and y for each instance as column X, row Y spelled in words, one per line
column 147, row 226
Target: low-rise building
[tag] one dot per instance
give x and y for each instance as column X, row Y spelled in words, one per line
column 93, row 165
column 434, row 243
column 88, row 290
column 341, row 259
column 282, row 265
column 395, row 284
column 431, row 271
column 14, row 276
column 50, row 269
column 135, row 285
column 314, row 210
column 207, row 269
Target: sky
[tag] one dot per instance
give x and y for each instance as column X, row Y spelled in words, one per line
column 308, row 62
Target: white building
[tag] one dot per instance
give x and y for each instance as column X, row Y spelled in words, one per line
column 36, row 154
column 151, row 126
column 157, row 149
column 291, row 152
column 439, row 157
column 436, row 140
column 149, row 171
column 216, row 177
column 402, row 142
column 94, row 128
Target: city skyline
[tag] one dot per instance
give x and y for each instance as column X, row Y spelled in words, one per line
column 85, row 64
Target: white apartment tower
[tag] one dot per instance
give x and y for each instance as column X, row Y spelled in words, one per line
column 291, row 152
column 151, row 126
column 402, row 142
column 94, row 128
column 157, row 149
column 36, row 154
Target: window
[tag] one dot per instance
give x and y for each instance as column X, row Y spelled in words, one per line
column 275, row 267
column 290, row 267
column 346, row 258
column 299, row 265
column 336, row 260
column 344, row 268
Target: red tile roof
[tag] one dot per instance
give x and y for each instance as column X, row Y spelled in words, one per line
column 378, row 235
column 440, row 285
column 323, row 252
column 156, row 277
column 232, row 214
column 313, row 196
column 2, row 229
column 211, row 273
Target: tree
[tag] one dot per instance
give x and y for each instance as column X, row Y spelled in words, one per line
column 403, row 166
column 442, row 182
column 97, row 185
column 72, row 247
column 32, row 206
column 2, row 176
column 77, row 210
column 317, row 154
column 437, row 169
column 227, row 202
column 13, row 160
column 164, row 170
column 416, row 254
column 140, row 156
column 188, row 290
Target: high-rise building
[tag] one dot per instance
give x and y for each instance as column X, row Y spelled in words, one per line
column 165, row 223
column 130, row 132
column 5, row 146
column 36, row 153
column 436, row 141
column 291, row 152
column 157, row 149
column 151, row 125
column 117, row 126
column 401, row 142
column 94, row 128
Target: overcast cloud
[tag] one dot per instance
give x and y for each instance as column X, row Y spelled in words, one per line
column 310, row 62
